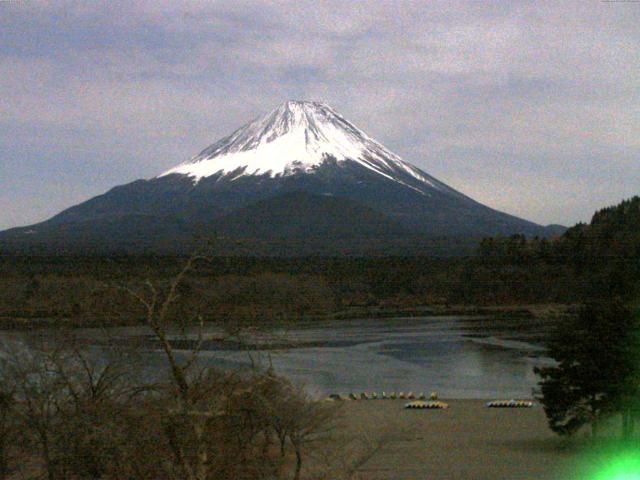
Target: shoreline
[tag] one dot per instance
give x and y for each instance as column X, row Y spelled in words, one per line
column 543, row 311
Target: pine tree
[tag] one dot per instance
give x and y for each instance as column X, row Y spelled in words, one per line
column 597, row 371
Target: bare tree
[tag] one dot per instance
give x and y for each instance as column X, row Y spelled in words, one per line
column 39, row 397
column 100, row 388
column 246, row 409
column 310, row 422
column 66, row 402
column 187, row 421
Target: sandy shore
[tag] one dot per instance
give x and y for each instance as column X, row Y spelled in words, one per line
column 466, row 441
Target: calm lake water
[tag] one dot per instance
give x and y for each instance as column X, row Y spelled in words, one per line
column 459, row 357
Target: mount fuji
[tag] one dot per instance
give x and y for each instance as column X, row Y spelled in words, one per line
column 299, row 180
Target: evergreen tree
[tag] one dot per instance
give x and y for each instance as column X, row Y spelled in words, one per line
column 597, row 371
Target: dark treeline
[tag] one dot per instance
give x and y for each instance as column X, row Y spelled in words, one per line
column 601, row 259
column 83, row 288
column 587, row 260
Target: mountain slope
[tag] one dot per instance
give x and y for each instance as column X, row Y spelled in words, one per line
column 302, row 215
column 299, row 147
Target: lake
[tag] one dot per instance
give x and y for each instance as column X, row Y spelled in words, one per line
column 458, row 357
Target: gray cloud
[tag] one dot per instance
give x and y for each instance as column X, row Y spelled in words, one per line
column 529, row 107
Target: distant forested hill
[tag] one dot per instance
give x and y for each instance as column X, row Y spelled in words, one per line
column 599, row 258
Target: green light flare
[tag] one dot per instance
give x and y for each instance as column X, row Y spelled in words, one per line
column 623, row 465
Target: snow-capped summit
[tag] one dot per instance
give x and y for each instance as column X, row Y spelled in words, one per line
column 298, row 137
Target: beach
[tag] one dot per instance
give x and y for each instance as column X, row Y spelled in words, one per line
column 465, row 441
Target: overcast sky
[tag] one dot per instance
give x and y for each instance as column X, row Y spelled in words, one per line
column 532, row 108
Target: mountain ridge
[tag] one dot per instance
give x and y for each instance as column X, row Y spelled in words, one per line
column 297, row 147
